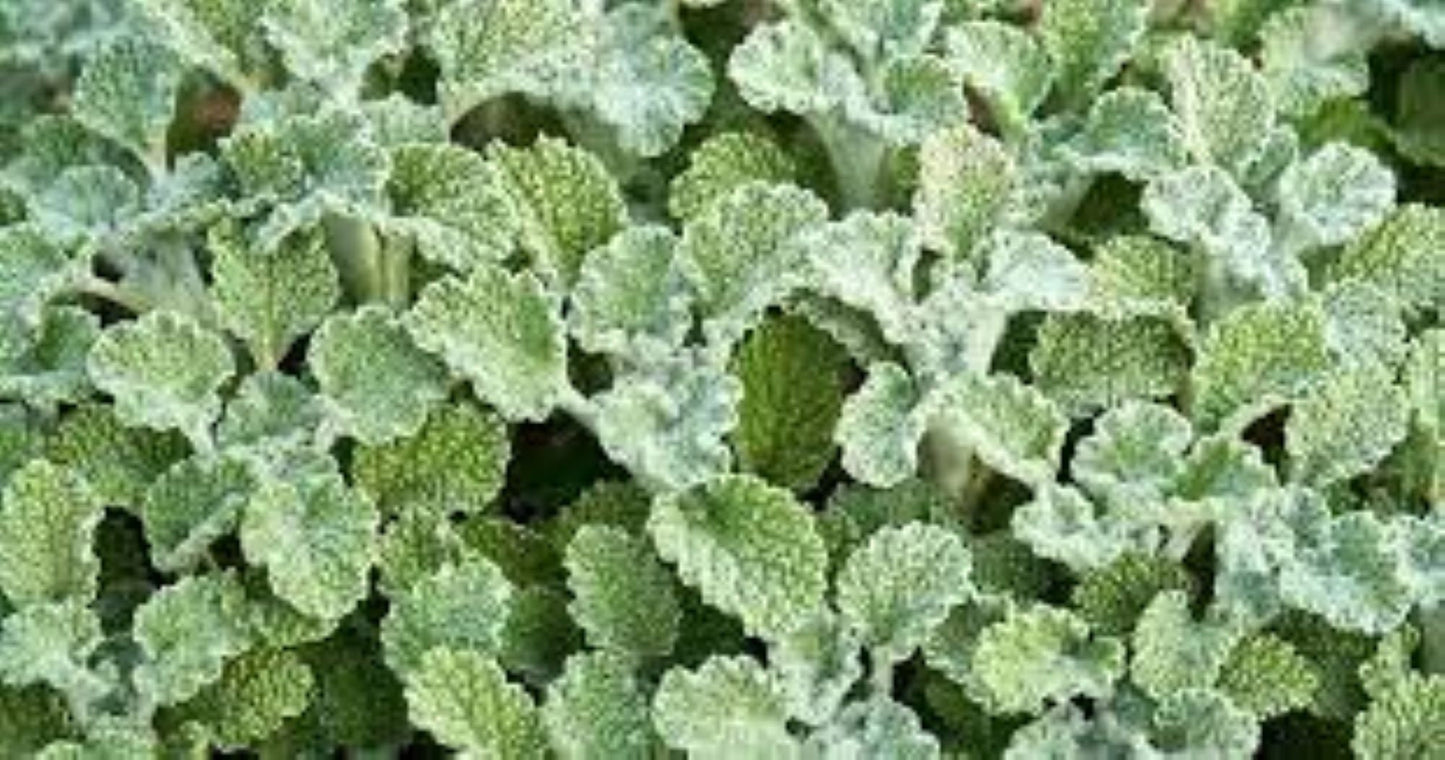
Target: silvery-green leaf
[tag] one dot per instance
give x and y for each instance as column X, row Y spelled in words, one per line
column 32, row 271
column 727, row 707
column 127, row 92
column 1205, row 723
column 737, row 254
column 1089, row 41
column 256, row 694
column 1174, row 651
column 1011, row 426
column 1062, row 525
column 186, row 633
column 918, row 95
column 567, row 201
column 721, row 164
column 965, row 180
column 48, row 519
column 377, row 385
column 598, row 709
column 1224, row 106
column 48, row 368
column 878, row 30
column 900, row 585
column 219, row 35
column 866, row 261
column 1027, row 271
column 881, row 426
column 192, row 505
column 487, row 48
column 1258, row 357
column 464, row 699
column 786, row 66
column 1333, row 195
column 271, row 298
column 816, row 666
column 1363, row 324
column 456, row 463
column 397, row 120
column 875, row 727
column 1401, row 256
column 460, row 607
column 270, row 409
column 1042, row 655
column 1006, row 63
column 53, row 643
column 1346, row 425
column 164, row 371
column 332, row 43
column 1132, row 132
column 1138, row 275
column 1313, row 54
column 500, row 331
column 631, row 292
column 1087, row 362
column 85, row 202
column 1135, row 452
column 752, row 550
column 622, row 596
column 666, row 421
column 1420, row 112
column 453, row 203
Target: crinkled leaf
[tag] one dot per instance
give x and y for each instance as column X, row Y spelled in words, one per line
column 622, row 596
column 630, row 295
column 118, row 462
column 1312, row 55
column 1086, row 362
column 1132, row 132
column 964, row 184
column 1333, row 195
column 1007, row 64
column 1136, row 452
column 316, row 539
column 48, row 519
column 881, row 426
column 271, row 298
column 127, row 92
column 487, row 48
column 1012, row 427
column 501, row 332
column 792, row 377
column 868, row 262
column 32, row 271
column 729, row 706
column 1043, row 655
column 257, row 693
column 214, row 34
column 1256, row 358
column 331, row 43
column 464, row 699
column 455, row 463
column 52, row 643
column 164, row 371
column 187, row 632
column 191, row 506
column 1400, row 256
column 786, row 66
column 750, row 548
column 50, row 370
column 599, row 709
column 721, row 164
column 881, row 29
column 1175, row 652
column 901, row 584
column 453, row 203
column 270, row 409
column 1224, row 106
column 1267, row 676
column 1346, row 426
column 816, row 666
column 1062, row 525
column 1205, row 723
column 458, row 608
column 376, row 384
column 1089, row 41
column 1112, row 598
column 876, row 727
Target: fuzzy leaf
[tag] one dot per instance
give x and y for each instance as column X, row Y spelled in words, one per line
column 456, row 463
column 487, row 48
column 1330, row 197
column 1062, row 525
column 751, row 549
column 331, row 43
column 599, row 709
column 1087, row 363
column 213, row 34
column 723, row 163
column 376, row 384
column 567, row 201
column 187, row 632
column 32, row 271
column 50, row 369
column 900, row 585
column 48, row 519
column 503, row 333
column 458, row 608
column 271, row 298
column 463, row 698
column 786, row 66
column 1006, row 63
column 191, row 506
column 1011, row 426
column 270, row 410
column 164, row 370
column 622, row 596
column 52, row 643
column 792, row 377
column 1312, row 55
column 127, row 93
column 1135, row 453
column 729, row 706
column 1132, row 132
column 453, row 203
column 868, row 262
column 1090, row 40
column 630, row 295
column 876, row 727
column 1173, row 651
column 257, row 693
column 1346, row 426
column 1256, row 358
column 1043, row 655
column 737, row 254
column 316, row 539
column 1400, row 256
column 1224, row 106
column 881, row 426
column 118, row 462
column 816, row 667
column 965, row 181
column 1268, row 677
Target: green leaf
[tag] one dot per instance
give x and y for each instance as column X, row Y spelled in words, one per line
column 30, row 719
column 1011, row 426
column 568, row 202
column 456, row 463
column 1349, row 569
column 786, row 66
column 213, row 34
column 1332, row 196
column 127, row 93
column 187, row 632
column 1112, row 598
column 412, row 547
column 1009, row 66
column 270, row 410
column 878, row 30
column 1204, row 208
column 737, row 257
column 1062, row 525
column 1364, row 325
column 118, row 462
column 1346, row 426
column 1267, row 676
column 331, row 43
column 52, row 643
column 271, row 298
column 463, row 698
column 48, row 518
column 1043, row 655
column 965, row 181
column 459, row 608
column 190, row 507
column 32, row 271
column 1204, row 723
column 1135, row 453
column 816, row 667
column 316, row 539
column 622, row 596
column 630, row 295
column 900, row 585
column 918, row 95
column 1402, row 722
column 792, row 377
column 666, row 422
column 868, row 262
column 1174, row 652
column 1138, row 275
column 1224, row 106
column 1399, row 257
column 257, row 693
column 599, row 709
column 876, row 727
column 1419, row 113
column 751, row 549
column 1312, row 55
column 723, row 163
column 1087, row 363
column 648, row 83
column 487, row 48
column 1130, row 132
column 85, row 203
column 453, row 203
column 727, row 707
column 540, row 635
column 501, row 332
column 164, row 371
column 51, row 369
column 1089, row 41
column 376, row 384
column 1256, row 358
